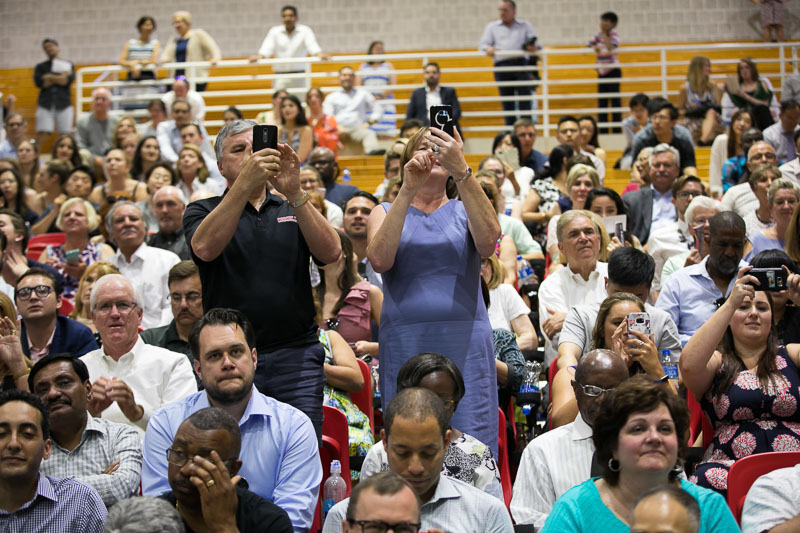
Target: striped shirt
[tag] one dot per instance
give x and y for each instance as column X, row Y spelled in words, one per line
column 138, row 50
column 608, row 53
column 551, row 464
column 60, row 505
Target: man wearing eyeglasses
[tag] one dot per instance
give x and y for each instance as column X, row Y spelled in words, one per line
column 185, row 296
column 16, row 132
column 130, row 379
column 562, row 458
column 169, row 132
column 37, row 297
column 381, row 502
column 206, row 490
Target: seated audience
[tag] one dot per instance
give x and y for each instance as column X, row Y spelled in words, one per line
column 49, row 188
column 754, row 94
column 231, row 114
column 666, row 508
column 16, row 197
column 760, row 181
column 118, row 184
column 391, row 170
column 130, row 379
column 772, row 502
column 311, row 181
column 651, row 208
column 326, row 130
column 31, row 500
column 386, row 500
column 79, row 183
column 94, row 130
column 294, row 129
column 664, row 129
column 355, row 110
column 638, row 416
column 203, row 465
column 76, row 218
column 104, row 455
column 781, row 134
column 605, row 202
column 145, row 266
column 415, row 437
column 280, row 458
column 186, row 300
column 169, row 132
column 580, row 239
column 791, row 170
column 143, row 513
column 513, row 186
column 83, row 310
column 157, row 113
column 160, row 175
column 524, row 243
column 569, row 133
column 13, row 259
column 632, row 125
column 543, row 475
column 783, row 197
column 746, row 383
column 735, row 170
column 273, row 116
column 29, row 163
column 180, row 89
column 15, row 367
column 126, row 125
column 192, row 172
column 146, row 155
column 357, row 211
column 549, row 186
column 741, row 198
column 193, row 133
column 700, row 211
column 37, row 296
column 580, row 180
column 432, row 94
column 588, row 137
column 16, row 129
column 324, row 160
column 727, row 146
column 465, row 458
column 699, row 103
column 170, row 203
column 529, row 157
column 690, row 295
column 506, row 309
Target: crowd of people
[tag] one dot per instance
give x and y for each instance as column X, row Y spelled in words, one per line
column 166, row 354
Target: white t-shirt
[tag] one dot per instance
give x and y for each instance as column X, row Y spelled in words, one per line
column 505, row 304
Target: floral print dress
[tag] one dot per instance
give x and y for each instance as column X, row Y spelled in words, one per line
column 748, row 420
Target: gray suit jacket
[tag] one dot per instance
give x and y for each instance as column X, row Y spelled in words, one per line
column 640, row 212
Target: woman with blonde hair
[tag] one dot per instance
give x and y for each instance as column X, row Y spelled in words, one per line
column 580, row 180
column 82, row 312
column 188, row 46
column 699, row 101
column 126, row 126
column 506, row 309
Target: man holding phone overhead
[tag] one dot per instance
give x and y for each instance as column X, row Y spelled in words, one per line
column 253, row 248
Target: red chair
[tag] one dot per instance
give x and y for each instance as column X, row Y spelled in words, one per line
column 747, row 470
column 552, row 370
column 334, row 426
column 363, row 398
column 38, row 243
column 502, row 457
column 66, row 307
column 698, row 421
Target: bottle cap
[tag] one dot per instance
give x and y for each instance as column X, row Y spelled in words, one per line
column 336, row 467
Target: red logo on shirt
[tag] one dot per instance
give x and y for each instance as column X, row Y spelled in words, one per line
column 291, row 218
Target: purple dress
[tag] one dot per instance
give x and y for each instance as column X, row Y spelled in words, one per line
column 432, row 302
column 747, row 420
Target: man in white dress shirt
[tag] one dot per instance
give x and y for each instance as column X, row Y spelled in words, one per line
column 147, row 267
column 558, row 460
column 180, row 89
column 791, row 170
column 355, row 111
column 287, row 41
column 130, row 379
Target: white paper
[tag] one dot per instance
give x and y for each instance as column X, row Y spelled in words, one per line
column 60, row 65
column 611, row 223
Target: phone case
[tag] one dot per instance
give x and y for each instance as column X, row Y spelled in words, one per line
column 442, row 118
column 638, row 322
column 264, row 136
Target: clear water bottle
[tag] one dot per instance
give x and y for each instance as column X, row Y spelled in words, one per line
column 335, row 488
column 376, row 380
column 346, row 176
column 529, row 396
column 525, row 272
column 669, row 364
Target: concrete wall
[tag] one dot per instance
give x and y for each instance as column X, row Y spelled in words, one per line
column 93, row 31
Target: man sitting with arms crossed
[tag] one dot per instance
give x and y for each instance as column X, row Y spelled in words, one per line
column 30, row 501
column 130, row 379
column 280, row 458
column 203, row 462
column 415, row 436
column 383, row 501
column 105, row 455
column 558, row 460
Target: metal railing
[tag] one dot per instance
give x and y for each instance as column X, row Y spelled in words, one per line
column 557, row 93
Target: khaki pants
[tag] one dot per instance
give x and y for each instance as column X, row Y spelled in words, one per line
column 367, row 137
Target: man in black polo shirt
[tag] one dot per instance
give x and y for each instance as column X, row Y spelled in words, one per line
column 253, row 248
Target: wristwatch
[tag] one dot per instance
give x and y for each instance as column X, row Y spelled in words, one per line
column 468, row 174
column 301, row 201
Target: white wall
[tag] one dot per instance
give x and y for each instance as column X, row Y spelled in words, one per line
column 93, row 31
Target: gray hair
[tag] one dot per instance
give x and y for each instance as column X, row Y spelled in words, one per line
column 173, row 189
column 117, row 205
column 143, row 514
column 234, row 128
column 568, row 217
column 647, row 151
column 111, row 278
column 698, row 202
column 679, row 496
column 782, row 183
column 664, row 148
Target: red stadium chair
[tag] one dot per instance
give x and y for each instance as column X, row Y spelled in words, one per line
column 66, row 307
column 334, row 426
column 363, row 398
column 747, row 470
column 698, row 421
column 38, row 243
column 502, row 459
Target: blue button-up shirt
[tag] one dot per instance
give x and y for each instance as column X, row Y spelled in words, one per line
column 502, row 37
column 60, row 505
column 664, row 212
column 689, row 295
column 280, row 457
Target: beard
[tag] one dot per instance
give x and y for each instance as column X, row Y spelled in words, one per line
column 229, row 396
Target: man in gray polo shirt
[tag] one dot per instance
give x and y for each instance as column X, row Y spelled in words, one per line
column 629, row 270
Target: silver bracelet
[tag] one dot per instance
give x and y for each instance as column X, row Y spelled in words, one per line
column 468, row 174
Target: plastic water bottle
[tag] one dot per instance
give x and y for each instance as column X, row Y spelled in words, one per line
column 669, row 364
column 335, row 488
column 529, row 395
column 346, row 177
column 524, row 272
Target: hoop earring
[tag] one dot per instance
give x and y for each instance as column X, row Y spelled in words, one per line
column 613, row 465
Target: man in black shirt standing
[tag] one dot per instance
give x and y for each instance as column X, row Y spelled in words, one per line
column 54, row 110
column 253, row 249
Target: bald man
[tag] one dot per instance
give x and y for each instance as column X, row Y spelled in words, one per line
column 561, row 458
column 95, row 129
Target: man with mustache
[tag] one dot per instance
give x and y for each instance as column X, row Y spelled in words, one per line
column 103, row 454
column 690, row 295
column 280, row 457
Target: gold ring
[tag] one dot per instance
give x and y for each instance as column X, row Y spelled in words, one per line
column 13, row 332
column 209, row 483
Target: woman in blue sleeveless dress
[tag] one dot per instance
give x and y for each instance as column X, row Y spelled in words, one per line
column 429, row 248
column 747, row 384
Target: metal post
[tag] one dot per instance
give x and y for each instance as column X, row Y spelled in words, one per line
column 545, row 76
column 663, row 59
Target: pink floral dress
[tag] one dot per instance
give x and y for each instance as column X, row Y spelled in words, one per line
column 748, row 420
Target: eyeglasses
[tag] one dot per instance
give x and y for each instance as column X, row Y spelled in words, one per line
column 593, row 391
column 42, row 291
column 686, row 194
column 15, row 124
column 766, row 155
column 179, row 458
column 122, row 307
column 378, row 526
column 176, row 297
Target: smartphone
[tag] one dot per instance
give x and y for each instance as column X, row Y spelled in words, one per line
column 638, row 322
column 265, row 136
column 699, row 235
column 442, row 118
column 73, row 255
column 619, row 232
column 770, row 279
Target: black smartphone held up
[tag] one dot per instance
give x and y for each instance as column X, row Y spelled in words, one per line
column 265, row 136
column 442, row 118
column 770, row 279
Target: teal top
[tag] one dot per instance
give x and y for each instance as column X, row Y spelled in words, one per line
column 582, row 509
